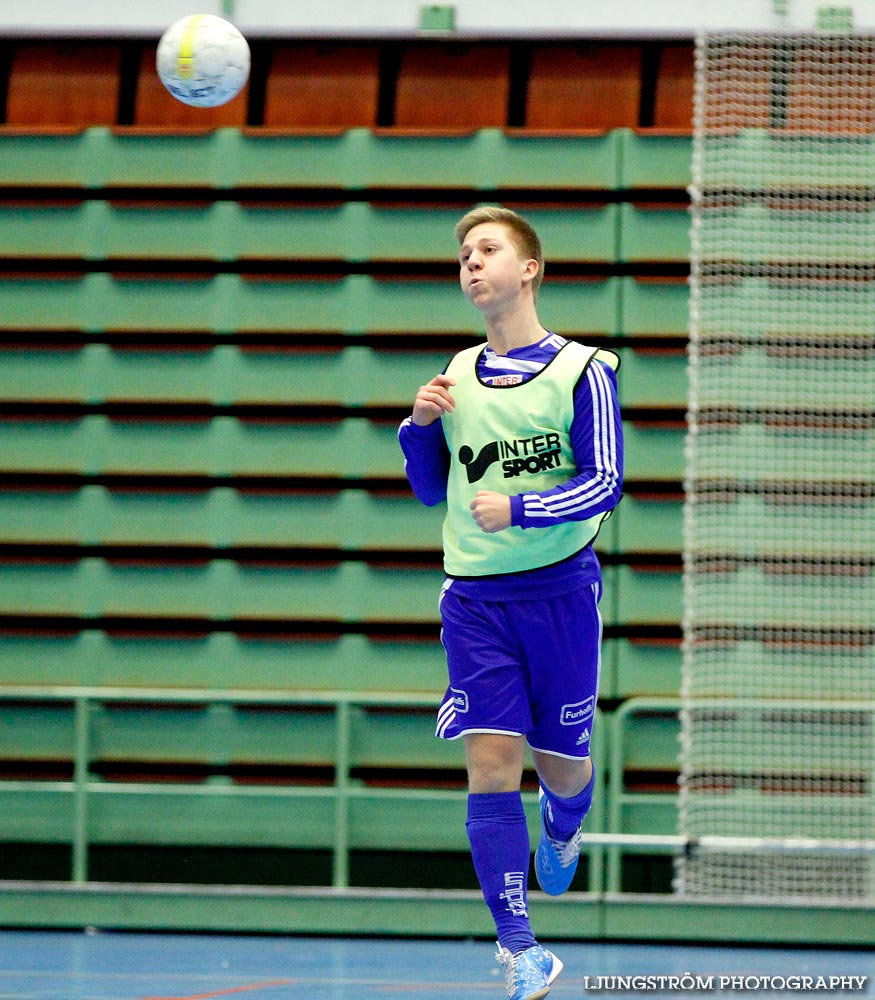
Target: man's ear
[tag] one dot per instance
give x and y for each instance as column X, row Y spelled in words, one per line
column 530, row 269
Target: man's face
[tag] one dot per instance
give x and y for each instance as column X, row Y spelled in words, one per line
column 491, row 270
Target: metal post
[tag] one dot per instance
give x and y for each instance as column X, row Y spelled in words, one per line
column 82, row 738
column 340, row 878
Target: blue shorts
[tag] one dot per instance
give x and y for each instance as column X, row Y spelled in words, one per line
column 526, row 668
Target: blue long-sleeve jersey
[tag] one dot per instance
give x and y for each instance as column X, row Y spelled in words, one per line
column 597, row 444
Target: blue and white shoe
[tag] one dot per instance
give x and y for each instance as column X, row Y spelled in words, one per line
column 529, row 974
column 555, row 860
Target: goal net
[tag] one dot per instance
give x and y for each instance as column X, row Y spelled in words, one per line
column 778, row 690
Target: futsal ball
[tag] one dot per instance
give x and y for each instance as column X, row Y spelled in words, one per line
column 203, row 60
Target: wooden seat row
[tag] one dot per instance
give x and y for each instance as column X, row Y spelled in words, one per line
column 221, row 659
column 588, row 85
column 348, row 374
column 345, row 305
column 329, row 595
column 353, row 232
column 335, row 521
column 456, row 165
column 228, row 772
column 344, row 448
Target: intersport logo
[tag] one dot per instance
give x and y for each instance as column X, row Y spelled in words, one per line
column 517, row 456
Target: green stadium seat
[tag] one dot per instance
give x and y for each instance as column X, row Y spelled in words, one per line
column 210, row 734
column 653, row 451
column 393, row 739
column 743, row 369
column 389, row 377
column 644, row 741
column 608, row 605
column 577, row 233
column 49, row 158
column 62, row 587
column 608, row 538
column 163, row 231
column 649, row 596
column 96, row 444
column 528, row 158
column 763, row 157
column 386, row 593
column 743, row 525
column 653, row 376
column 140, row 517
column 347, row 448
column 749, row 307
column 222, row 660
column 302, row 232
column 176, row 375
column 794, row 235
column 44, row 303
column 650, row 524
column 39, row 445
column 832, row 668
column 581, row 308
column 268, row 158
column 45, row 231
column 100, row 301
column 646, row 667
column 176, row 157
column 97, row 373
column 226, row 230
column 219, row 589
column 36, row 732
column 652, row 307
column 393, row 819
column 314, row 520
column 372, row 520
column 654, row 234
column 160, row 590
column 355, row 304
column 763, row 597
column 57, row 516
column 314, row 305
column 774, row 454
column 163, row 446
column 54, row 374
column 654, row 159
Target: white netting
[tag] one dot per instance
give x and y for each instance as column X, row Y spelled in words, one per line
column 778, row 713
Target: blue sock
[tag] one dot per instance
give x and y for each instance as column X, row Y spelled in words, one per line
column 499, row 840
column 564, row 816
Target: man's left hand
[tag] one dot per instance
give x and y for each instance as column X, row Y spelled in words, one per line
column 491, row 511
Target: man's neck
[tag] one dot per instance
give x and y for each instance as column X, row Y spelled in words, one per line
column 520, row 329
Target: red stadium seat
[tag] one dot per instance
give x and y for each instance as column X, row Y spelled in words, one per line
column 586, row 86
column 53, row 85
column 453, row 87
column 333, row 86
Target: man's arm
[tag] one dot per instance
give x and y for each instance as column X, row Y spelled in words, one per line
column 421, row 436
column 597, row 442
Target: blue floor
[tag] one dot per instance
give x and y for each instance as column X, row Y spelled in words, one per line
column 42, row 965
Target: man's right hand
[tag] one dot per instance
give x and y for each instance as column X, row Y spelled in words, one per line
column 433, row 401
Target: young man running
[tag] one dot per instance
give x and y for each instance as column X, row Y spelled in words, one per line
column 522, row 437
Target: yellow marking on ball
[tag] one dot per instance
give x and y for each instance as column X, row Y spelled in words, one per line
column 185, row 59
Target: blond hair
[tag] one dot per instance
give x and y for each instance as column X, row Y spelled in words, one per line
column 523, row 235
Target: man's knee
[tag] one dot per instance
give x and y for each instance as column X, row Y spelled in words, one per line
column 495, row 762
column 565, row 778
